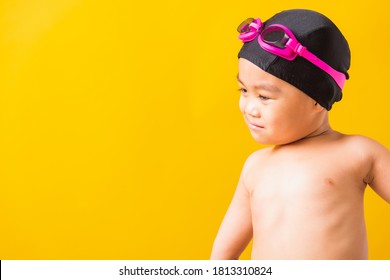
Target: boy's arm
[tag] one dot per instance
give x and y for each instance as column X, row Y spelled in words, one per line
column 379, row 176
column 235, row 231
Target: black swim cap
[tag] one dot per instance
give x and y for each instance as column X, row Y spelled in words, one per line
column 321, row 37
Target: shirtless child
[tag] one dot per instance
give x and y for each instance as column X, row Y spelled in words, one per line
column 302, row 198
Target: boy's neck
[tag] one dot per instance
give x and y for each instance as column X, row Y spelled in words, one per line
column 322, row 131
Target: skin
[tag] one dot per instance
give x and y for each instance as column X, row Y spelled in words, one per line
column 301, row 198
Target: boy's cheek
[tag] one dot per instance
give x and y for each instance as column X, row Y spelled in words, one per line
column 241, row 105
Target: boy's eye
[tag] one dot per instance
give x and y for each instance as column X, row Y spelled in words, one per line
column 242, row 90
column 262, row 97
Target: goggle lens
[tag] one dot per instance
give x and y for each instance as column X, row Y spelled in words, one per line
column 275, row 37
column 244, row 26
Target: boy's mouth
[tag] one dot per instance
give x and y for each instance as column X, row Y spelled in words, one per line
column 254, row 126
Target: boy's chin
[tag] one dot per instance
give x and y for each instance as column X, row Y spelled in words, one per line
column 263, row 140
column 269, row 141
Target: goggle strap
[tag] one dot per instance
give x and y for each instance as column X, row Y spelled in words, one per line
column 336, row 75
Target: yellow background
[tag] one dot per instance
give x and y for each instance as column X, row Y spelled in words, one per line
column 121, row 136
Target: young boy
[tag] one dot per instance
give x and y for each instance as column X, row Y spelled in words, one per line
column 302, row 198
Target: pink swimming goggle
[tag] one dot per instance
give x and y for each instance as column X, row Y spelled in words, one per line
column 279, row 40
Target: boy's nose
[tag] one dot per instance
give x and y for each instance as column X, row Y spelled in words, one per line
column 252, row 109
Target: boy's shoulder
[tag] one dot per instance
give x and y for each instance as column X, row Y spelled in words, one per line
column 256, row 157
column 358, row 139
column 361, row 143
column 343, row 144
column 361, row 148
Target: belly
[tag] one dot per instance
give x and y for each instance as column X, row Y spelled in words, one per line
column 308, row 222
column 310, row 239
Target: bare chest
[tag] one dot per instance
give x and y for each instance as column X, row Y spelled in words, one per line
column 319, row 182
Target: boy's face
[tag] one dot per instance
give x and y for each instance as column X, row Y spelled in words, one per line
column 276, row 112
